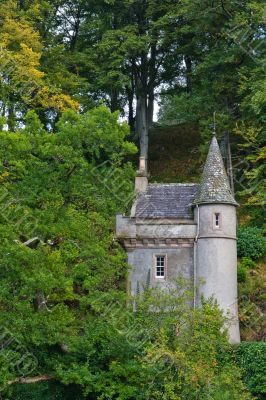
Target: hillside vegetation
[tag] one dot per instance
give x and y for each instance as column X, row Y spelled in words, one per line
column 175, row 156
column 70, row 71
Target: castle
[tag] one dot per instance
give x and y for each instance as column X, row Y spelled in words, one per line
column 185, row 229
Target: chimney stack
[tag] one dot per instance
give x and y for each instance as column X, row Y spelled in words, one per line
column 141, row 181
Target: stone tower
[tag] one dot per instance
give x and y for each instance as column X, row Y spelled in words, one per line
column 215, row 243
column 186, row 229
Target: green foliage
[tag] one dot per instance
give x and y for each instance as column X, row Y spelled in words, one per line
column 250, row 243
column 25, row 83
column 243, row 267
column 251, row 301
column 58, row 196
column 45, row 391
column 252, row 360
column 180, row 109
column 62, row 272
column 247, row 263
column 241, row 274
column 210, row 73
column 224, row 71
column 171, row 353
column 96, row 134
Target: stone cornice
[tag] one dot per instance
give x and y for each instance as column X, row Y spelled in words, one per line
column 148, row 243
column 217, row 237
column 164, row 221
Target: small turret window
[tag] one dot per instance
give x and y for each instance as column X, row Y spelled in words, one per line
column 217, row 220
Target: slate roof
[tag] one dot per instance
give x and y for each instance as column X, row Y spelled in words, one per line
column 167, row 201
column 214, row 187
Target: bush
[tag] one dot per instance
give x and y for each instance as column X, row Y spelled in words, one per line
column 247, row 263
column 251, row 357
column 243, row 267
column 251, row 242
column 241, row 274
column 45, row 391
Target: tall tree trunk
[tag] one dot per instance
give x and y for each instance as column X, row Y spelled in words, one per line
column 188, row 63
column 3, row 109
column 114, row 106
column 142, row 123
column 130, row 97
column 42, row 117
column 130, row 90
column 75, row 34
column 11, row 119
column 21, row 4
column 151, row 83
column 150, row 111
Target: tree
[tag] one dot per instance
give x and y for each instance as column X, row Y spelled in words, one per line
column 58, row 251
column 125, row 50
column 253, row 107
column 215, row 60
column 24, row 84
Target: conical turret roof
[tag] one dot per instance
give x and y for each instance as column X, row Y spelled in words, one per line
column 214, row 187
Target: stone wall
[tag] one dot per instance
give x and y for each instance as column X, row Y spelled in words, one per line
column 179, row 262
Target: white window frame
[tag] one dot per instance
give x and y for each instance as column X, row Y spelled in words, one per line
column 155, row 266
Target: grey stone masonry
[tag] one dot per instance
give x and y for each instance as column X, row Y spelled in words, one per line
column 214, row 187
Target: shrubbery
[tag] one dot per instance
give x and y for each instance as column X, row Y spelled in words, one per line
column 241, row 274
column 243, row 267
column 247, row 263
column 252, row 359
column 46, row 391
column 251, row 242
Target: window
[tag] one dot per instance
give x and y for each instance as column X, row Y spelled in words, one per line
column 160, row 267
column 217, row 220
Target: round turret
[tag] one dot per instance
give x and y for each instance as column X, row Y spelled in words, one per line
column 216, row 252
